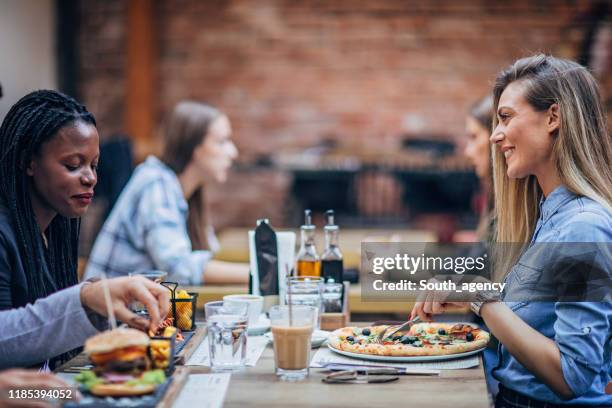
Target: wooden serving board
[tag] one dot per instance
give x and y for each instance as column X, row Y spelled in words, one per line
column 179, row 378
column 192, row 344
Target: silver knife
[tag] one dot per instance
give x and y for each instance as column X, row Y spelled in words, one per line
column 401, row 327
column 399, row 370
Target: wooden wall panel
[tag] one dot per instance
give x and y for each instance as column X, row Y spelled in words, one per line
column 140, row 74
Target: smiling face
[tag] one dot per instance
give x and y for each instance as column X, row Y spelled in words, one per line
column 214, row 156
column 63, row 172
column 523, row 135
column 477, row 146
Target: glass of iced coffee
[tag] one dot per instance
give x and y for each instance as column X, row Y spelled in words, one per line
column 292, row 328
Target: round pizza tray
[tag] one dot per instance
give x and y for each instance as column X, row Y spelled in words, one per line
column 407, row 359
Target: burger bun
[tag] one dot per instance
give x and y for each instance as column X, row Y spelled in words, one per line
column 121, row 390
column 115, row 339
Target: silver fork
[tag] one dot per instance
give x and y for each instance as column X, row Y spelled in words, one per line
column 395, row 329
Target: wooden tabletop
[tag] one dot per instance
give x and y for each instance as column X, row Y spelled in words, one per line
column 260, row 387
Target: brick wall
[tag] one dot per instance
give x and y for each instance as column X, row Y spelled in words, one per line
column 102, row 61
column 290, row 73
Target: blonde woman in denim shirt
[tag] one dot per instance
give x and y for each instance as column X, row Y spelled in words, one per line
column 553, row 186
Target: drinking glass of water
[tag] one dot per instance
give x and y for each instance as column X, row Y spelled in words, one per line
column 227, row 334
column 307, row 291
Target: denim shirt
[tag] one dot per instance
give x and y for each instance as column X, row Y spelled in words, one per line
column 581, row 330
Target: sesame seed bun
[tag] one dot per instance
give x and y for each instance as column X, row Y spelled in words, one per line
column 114, row 339
column 121, row 390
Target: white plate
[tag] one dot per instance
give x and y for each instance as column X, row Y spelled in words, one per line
column 407, row 359
column 259, row 328
column 318, row 337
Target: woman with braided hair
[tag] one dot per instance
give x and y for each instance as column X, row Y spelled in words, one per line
column 49, row 153
column 48, row 158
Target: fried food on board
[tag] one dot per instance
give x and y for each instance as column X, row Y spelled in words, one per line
column 122, row 366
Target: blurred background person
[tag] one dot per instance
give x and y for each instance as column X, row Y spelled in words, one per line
column 160, row 221
column 478, row 125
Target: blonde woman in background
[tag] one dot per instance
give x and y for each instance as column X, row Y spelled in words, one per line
column 553, row 184
column 160, row 220
column 478, row 125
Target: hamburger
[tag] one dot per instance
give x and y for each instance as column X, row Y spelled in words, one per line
column 121, row 351
column 122, row 366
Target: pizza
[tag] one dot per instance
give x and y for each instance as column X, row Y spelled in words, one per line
column 423, row 339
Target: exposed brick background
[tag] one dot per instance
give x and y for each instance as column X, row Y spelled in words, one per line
column 291, row 73
column 102, row 62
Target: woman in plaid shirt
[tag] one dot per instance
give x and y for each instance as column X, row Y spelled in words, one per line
column 159, row 221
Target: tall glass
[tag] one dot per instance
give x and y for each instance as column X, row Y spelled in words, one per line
column 306, row 291
column 292, row 328
column 152, row 275
column 227, row 335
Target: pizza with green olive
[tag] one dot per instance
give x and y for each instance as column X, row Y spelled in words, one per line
column 423, row 339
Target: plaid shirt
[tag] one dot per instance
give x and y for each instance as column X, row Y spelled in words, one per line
column 147, row 230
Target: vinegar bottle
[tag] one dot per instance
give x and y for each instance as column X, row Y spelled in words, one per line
column 331, row 259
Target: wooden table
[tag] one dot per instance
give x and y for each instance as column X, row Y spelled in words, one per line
column 259, row 387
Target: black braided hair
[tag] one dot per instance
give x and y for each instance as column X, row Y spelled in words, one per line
column 32, row 121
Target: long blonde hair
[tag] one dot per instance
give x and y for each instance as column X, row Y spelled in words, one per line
column 582, row 149
column 186, row 128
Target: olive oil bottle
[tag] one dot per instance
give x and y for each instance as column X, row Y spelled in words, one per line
column 308, row 263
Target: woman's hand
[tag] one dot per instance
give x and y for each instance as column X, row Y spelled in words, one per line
column 426, row 309
column 18, row 379
column 124, row 291
column 434, row 302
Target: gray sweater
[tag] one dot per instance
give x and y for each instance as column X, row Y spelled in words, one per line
column 47, row 328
